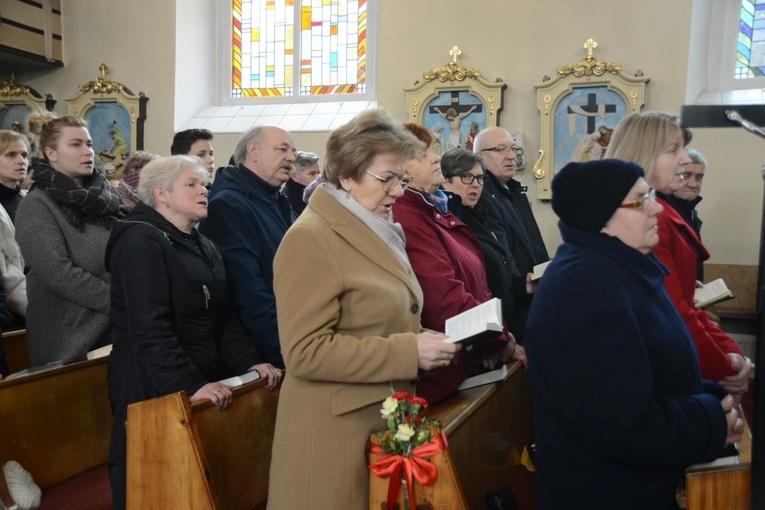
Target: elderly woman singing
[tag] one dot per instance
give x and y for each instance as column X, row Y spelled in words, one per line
column 620, row 408
column 172, row 324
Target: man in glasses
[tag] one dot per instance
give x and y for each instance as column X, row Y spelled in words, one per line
column 687, row 198
column 247, row 218
column 513, row 208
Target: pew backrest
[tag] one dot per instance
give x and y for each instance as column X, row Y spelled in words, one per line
column 56, row 423
column 15, row 347
column 181, row 455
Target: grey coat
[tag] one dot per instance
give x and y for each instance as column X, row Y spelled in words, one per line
column 67, row 284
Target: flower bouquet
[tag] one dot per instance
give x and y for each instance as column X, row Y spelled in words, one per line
column 412, row 449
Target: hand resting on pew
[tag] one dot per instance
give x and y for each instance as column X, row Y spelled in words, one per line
column 219, row 394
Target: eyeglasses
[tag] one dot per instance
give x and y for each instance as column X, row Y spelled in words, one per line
column 501, row 149
column 642, row 202
column 684, row 176
column 391, row 181
column 467, row 178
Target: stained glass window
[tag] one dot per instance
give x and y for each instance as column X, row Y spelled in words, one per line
column 750, row 58
column 298, row 47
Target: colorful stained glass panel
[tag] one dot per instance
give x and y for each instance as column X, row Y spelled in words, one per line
column 750, row 57
column 330, row 57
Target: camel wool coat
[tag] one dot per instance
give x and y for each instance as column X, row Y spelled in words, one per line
column 348, row 311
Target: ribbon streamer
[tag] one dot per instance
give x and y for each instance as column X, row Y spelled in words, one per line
column 416, row 465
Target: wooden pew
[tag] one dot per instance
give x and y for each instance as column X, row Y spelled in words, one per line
column 487, row 428
column 56, row 424
column 192, row 456
column 727, row 485
column 15, row 347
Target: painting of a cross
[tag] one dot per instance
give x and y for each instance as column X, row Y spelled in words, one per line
column 592, row 108
column 455, row 103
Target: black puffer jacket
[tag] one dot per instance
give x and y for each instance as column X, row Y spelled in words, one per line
column 173, row 327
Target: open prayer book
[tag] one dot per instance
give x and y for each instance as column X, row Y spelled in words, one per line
column 239, row 380
column 478, row 323
column 711, row 293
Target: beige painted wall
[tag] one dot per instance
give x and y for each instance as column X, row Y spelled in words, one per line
column 519, row 41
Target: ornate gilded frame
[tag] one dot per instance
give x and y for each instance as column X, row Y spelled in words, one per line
column 572, row 130
column 452, row 100
column 115, row 118
column 18, row 101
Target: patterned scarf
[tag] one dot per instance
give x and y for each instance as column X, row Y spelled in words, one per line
column 95, row 202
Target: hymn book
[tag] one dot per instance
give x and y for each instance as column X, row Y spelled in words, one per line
column 478, row 323
column 100, row 352
column 489, row 377
column 711, row 293
column 539, row 270
column 239, row 380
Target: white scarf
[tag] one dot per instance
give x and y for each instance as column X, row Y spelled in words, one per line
column 390, row 233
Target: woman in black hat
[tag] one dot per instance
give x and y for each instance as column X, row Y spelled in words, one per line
column 620, row 407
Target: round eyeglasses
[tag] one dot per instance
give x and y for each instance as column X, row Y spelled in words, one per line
column 642, row 202
column 391, row 181
column 467, row 178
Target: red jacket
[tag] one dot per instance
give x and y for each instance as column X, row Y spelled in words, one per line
column 680, row 249
column 448, row 263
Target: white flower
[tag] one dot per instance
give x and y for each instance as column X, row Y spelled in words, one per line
column 389, row 407
column 404, row 432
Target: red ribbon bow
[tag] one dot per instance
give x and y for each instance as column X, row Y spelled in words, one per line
column 414, row 465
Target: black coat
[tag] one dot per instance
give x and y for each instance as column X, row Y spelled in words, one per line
column 514, row 209
column 6, row 320
column 505, row 282
column 173, row 327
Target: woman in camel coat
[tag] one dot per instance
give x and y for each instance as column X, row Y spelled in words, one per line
column 356, row 334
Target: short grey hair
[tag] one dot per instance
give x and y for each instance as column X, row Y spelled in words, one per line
column 697, row 158
column 304, row 159
column 253, row 135
column 458, row 161
column 163, row 172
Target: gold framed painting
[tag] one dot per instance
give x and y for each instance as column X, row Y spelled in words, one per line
column 17, row 102
column 115, row 118
column 454, row 102
column 579, row 109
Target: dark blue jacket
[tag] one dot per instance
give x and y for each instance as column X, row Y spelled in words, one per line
column 620, row 407
column 247, row 220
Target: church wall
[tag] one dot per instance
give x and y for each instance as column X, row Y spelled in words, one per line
column 518, row 41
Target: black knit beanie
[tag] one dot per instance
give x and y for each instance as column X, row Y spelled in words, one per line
column 586, row 195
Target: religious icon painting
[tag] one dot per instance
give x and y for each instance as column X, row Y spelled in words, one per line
column 18, row 102
column 115, row 119
column 454, row 102
column 454, row 118
column 579, row 110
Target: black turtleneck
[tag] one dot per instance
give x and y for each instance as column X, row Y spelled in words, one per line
column 10, row 199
